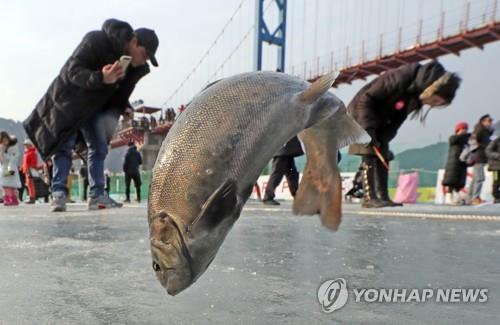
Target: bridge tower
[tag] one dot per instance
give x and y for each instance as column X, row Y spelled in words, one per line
column 263, row 33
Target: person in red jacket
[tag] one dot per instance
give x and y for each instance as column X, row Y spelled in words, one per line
column 30, row 165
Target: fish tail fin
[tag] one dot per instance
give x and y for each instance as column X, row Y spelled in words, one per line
column 320, row 190
column 307, row 198
column 320, row 194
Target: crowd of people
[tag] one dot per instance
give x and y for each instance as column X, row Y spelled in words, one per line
column 470, row 155
column 15, row 179
column 147, row 123
column 474, row 150
column 35, row 178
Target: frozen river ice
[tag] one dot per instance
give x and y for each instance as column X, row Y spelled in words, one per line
column 84, row 267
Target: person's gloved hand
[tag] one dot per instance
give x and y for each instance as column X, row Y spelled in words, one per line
column 375, row 143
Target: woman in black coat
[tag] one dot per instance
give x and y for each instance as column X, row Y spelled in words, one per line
column 382, row 106
column 455, row 173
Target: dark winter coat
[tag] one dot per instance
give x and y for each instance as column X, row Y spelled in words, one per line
column 132, row 161
column 455, row 173
column 78, row 92
column 291, row 149
column 493, row 154
column 383, row 104
column 481, row 135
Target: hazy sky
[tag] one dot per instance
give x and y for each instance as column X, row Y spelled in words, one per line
column 38, row 37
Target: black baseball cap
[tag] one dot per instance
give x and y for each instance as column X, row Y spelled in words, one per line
column 147, row 38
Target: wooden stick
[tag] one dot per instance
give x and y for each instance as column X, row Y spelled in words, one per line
column 380, row 157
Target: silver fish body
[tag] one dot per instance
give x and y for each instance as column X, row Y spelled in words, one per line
column 211, row 158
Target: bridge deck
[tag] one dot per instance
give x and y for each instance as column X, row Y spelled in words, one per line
column 475, row 38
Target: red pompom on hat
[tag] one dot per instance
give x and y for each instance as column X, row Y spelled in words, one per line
column 461, row 125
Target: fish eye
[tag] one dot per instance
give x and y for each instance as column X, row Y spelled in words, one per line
column 156, row 267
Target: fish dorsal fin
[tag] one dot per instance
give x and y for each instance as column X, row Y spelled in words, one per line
column 318, row 88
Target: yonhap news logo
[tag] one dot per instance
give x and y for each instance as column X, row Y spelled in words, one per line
column 334, row 294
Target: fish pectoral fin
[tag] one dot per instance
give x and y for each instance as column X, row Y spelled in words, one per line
column 221, row 204
column 318, row 88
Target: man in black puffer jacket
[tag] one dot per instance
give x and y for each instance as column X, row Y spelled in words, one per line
column 382, row 106
column 85, row 100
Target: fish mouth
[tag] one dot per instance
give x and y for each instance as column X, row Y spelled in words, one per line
column 174, row 251
column 165, row 273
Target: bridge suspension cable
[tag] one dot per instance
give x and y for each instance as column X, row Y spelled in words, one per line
column 187, row 88
column 206, row 53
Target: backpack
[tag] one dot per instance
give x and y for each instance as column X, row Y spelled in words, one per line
column 466, row 155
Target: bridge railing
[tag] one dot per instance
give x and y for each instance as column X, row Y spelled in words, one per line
column 454, row 21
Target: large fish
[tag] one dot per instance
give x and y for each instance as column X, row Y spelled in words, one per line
column 216, row 150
